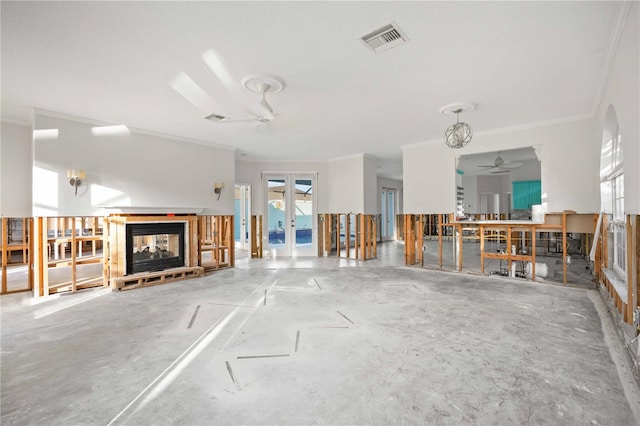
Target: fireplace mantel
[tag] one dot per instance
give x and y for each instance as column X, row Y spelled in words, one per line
column 151, row 210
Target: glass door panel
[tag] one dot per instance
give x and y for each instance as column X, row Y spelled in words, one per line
column 242, row 219
column 388, row 214
column 391, row 214
column 277, row 215
column 303, row 215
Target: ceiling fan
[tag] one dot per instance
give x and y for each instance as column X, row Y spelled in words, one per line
column 501, row 165
column 260, row 112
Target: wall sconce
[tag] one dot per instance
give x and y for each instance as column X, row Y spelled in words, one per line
column 75, row 178
column 217, row 188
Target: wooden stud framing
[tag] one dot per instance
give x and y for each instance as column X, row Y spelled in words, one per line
column 409, row 239
column 628, row 315
column 215, row 235
column 9, row 245
column 363, row 237
column 364, row 245
column 440, row 231
column 5, row 253
column 637, row 257
column 41, row 278
column 256, row 236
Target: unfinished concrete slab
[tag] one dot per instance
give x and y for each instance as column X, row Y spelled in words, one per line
column 310, row 342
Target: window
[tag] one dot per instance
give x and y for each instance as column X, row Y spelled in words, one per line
column 612, row 191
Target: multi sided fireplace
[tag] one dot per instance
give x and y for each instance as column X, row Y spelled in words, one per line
column 149, row 249
column 154, row 246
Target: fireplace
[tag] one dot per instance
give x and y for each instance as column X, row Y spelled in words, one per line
column 154, row 246
column 150, row 249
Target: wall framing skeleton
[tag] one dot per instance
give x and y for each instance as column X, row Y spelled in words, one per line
column 333, row 226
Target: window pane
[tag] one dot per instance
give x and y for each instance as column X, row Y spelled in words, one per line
column 303, row 212
column 617, row 147
column 606, row 197
column 620, row 250
column 606, row 159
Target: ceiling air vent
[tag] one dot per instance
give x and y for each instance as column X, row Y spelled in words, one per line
column 385, row 38
column 215, row 117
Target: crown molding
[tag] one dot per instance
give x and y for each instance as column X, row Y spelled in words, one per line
column 522, row 127
column 360, row 155
column 94, row 122
column 16, row 121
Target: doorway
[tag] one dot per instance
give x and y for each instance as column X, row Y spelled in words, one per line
column 388, row 222
column 242, row 217
column 490, row 205
column 291, row 219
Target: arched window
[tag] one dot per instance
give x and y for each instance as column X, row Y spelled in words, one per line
column 612, row 191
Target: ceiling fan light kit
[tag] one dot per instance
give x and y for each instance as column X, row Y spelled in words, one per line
column 459, row 134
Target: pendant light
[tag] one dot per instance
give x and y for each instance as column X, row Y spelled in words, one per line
column 459, row 134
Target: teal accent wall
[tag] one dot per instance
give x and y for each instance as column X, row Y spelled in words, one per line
column 526, row 193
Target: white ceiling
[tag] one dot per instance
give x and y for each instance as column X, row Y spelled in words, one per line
column 519, row 62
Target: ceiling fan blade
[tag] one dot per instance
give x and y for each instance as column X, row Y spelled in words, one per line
column 189, row 89
column 511, row 165
column 216, row 65
column 228, row 120
column 218, row 68
column 500, row 171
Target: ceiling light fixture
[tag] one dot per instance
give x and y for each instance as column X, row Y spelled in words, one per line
column 459, row 134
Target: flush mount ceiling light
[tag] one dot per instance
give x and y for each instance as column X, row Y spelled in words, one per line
column 459, row 134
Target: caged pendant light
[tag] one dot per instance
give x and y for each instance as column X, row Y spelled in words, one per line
column 459, row 134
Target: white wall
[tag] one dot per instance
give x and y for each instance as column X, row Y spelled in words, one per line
column 623, row 92
column 15, row 170
column 570, row 157
column 370, row 185
column 529, row 170
column 250, row 172
column 131, row 170
column 346, row 185
column 471, row 202
column 494, row 184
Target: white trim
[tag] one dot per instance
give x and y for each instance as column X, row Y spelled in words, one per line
column 94, row 122
column 151, row 210
column 362, row 155
column 70, row 117
column 522, row 127
column 618, row 281
column 16, row 121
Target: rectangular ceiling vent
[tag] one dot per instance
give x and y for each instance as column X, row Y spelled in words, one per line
column 215, row 117
column 385, row 38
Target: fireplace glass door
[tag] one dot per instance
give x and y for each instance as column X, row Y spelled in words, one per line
column 154, row 246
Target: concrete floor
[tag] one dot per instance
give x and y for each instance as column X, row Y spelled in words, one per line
column 315, row 341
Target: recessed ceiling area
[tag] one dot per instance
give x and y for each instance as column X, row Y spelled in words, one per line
column 519, row 62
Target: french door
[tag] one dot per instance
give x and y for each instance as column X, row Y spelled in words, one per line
column 290, row 211
column 242, row 219
column 388, row 224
